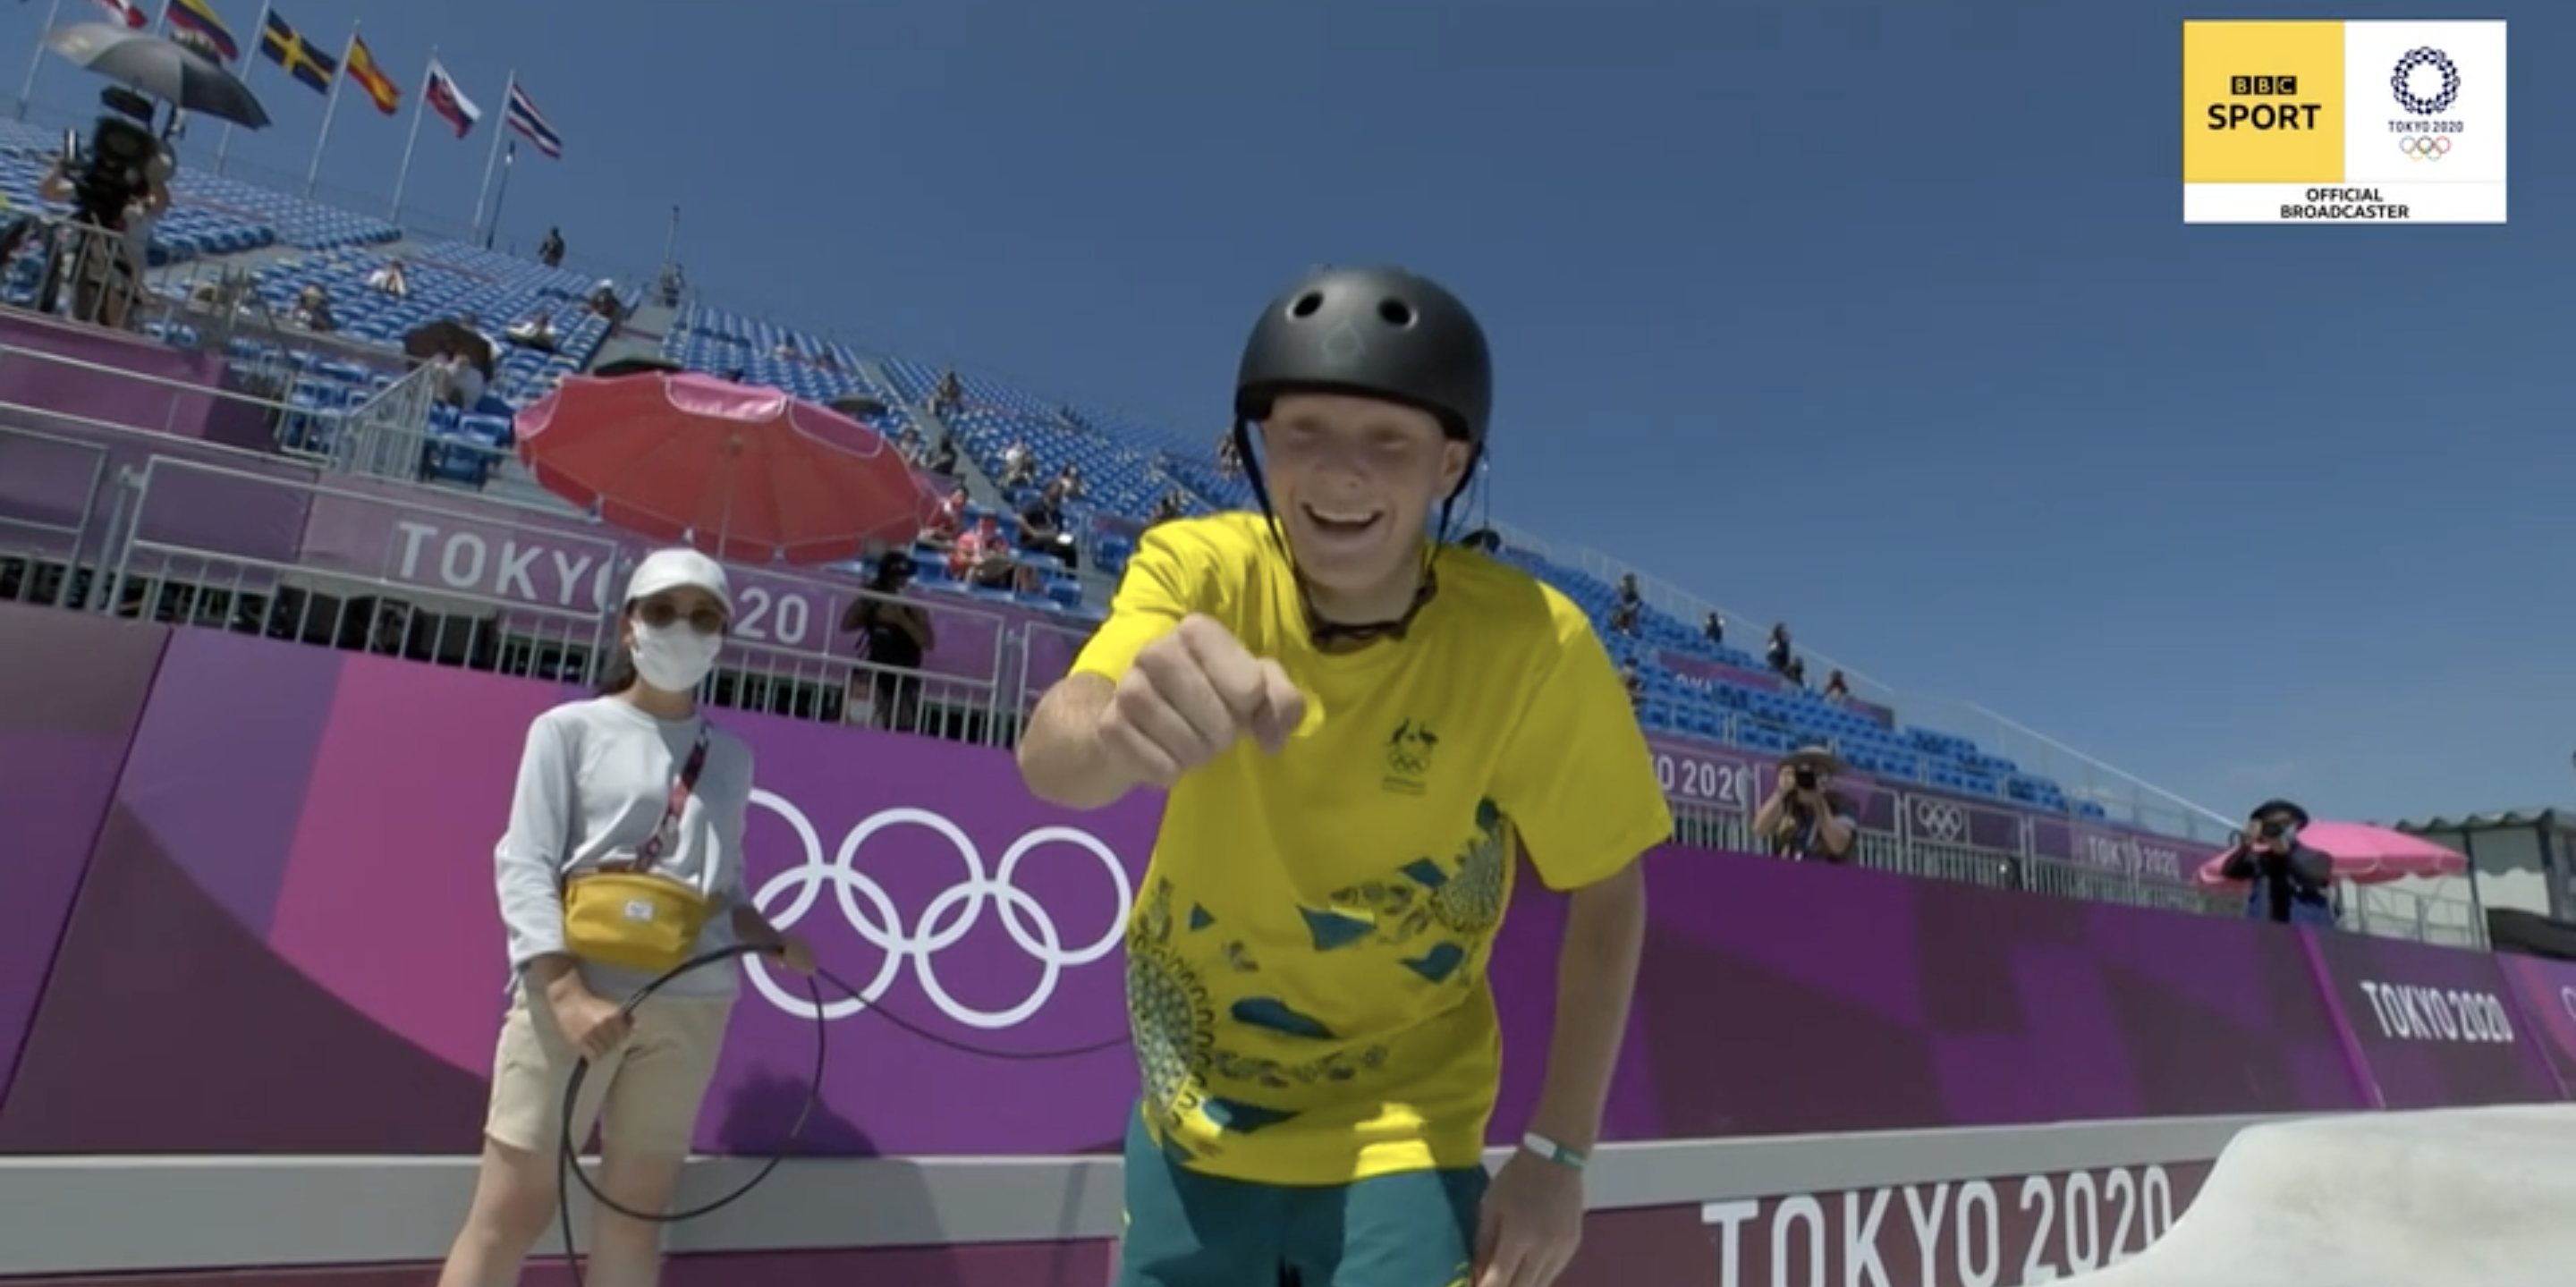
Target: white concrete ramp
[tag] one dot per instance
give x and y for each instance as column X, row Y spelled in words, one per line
column 2478, row 1197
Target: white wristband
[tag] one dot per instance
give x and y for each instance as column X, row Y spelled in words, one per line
column 1548, row 1150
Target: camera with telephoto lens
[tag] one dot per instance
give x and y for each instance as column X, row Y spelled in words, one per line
column 1806, row 779
column 113, row 171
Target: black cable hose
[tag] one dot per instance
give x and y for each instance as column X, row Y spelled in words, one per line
column 568, row 1157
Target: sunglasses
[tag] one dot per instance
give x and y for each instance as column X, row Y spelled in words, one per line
column 706, row 619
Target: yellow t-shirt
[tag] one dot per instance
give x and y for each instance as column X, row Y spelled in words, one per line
column 1306, row 964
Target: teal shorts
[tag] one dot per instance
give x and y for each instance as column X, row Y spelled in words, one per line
column 1185, row 1229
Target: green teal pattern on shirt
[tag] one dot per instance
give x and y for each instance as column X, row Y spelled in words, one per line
column 1430, row 917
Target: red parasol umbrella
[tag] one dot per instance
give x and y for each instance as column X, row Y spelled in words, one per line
column 739, row 471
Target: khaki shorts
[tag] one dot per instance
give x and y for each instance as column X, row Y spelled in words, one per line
column 645, row 1097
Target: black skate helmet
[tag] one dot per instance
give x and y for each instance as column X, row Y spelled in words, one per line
column 1379, row 333
column 1376, row 333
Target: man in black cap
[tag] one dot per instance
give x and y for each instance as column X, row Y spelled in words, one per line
column 2289, row 879
column 1355, row 748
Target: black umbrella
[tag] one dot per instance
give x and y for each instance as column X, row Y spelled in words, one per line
column 636, row 366
column 451, row 336
column 858, row 406
column 162, row 68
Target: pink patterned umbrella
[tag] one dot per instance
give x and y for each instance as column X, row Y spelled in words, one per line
column 741, row 472
column 2363, row 854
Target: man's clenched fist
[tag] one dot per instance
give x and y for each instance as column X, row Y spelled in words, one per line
column 1189, row 696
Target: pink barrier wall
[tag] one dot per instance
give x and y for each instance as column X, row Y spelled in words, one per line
column 299, row 839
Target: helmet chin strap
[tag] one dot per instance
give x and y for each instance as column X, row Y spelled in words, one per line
column 1334, row 636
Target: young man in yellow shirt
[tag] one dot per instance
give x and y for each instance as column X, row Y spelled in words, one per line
column 1359, row 729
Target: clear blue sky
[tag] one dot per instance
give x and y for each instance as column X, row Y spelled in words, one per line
column 1879, row 316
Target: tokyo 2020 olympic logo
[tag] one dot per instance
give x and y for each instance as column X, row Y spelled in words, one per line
column 789, row 897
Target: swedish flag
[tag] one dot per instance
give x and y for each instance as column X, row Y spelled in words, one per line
column 284, row 47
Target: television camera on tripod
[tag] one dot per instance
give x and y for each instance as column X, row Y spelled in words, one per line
column 117, row 186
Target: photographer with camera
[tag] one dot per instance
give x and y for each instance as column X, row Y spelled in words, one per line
column 2290, row 880
column 1802, row 819
column 118, row 188
column 894, row 637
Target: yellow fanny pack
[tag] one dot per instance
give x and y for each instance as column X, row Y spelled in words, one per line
column 625, row 914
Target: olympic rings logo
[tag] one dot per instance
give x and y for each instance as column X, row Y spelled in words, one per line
column 2402, row 86
column 1942, row 820
column 2424, row 147
column 954, row 913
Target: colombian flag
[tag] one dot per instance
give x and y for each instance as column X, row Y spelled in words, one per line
column 200, row 17
column 297, row 55
column 370, row 77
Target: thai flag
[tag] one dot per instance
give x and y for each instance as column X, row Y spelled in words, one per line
column 127, row 12
column 524, row 117
column 449, row 102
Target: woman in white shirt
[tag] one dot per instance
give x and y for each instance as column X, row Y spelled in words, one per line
column 607, row 784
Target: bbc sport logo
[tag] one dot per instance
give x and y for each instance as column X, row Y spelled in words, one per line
column 2343, row 122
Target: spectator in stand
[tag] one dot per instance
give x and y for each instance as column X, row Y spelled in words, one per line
column 1019, row 466
column 390, row 279
column 1068, row 482
column 537, row 332
column 1628, row 608
column 604, row 302
column 894, row 636
column 1837, row 688
column 1229, row 458
column 2289, row 880
column 1635, row 680
column 907, row 444
column 1779, row 652
column 456, row 380
column 550, row 251
column 671, row 285
column 948, row 395
column 1796, row 674
column 1803, row 819
column 1042, row 528
column 947, row 523
column 1169, row 506
column 313, row 310
column 1714, row 626
column 982, row 558
column 943, row 457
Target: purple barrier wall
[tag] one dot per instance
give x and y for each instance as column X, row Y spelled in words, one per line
column 2546, row 993
column 2430, row 1027
column 182, row 395
column 71, row 691
column 295, row 859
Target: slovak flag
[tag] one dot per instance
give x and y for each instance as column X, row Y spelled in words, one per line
column 127, row 12
column 524, row 117
column 449, row 102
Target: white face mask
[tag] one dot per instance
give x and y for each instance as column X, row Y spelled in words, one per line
column 674, row 658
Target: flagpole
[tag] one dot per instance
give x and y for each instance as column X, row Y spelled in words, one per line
column 509, row 162
column 249, row 59
column 330, row 108
column 419, row 104
column 492, row 162
column 27, row 92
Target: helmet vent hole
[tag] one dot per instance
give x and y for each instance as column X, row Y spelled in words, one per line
column 1395, row 313
column 1307, row 305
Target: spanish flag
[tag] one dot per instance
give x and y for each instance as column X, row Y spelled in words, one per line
column 301, row 59
column 372, row 78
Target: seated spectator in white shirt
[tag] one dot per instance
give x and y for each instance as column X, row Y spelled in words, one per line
column 390, row 280
column 459, row 382
column 536, row 333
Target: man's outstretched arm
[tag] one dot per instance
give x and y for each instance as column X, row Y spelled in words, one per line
column 1596, row 981
column 1061, row 760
